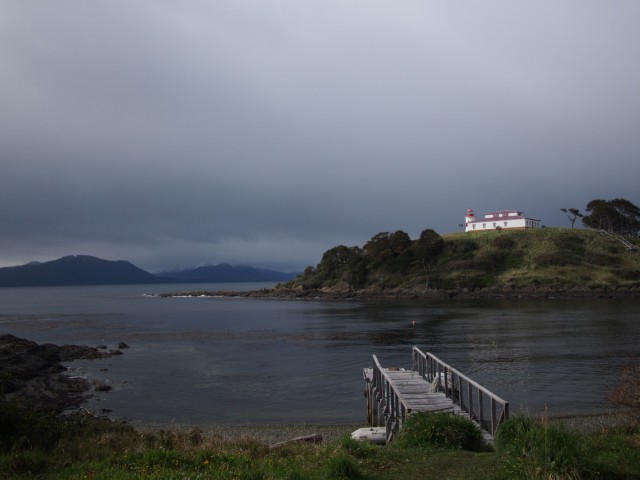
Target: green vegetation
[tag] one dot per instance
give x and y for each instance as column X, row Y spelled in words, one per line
column 617, row 216
column 572, row 214
column 627, row 393
column 532, row 450
column 40, row 445
column 558, row 258
column 441, row 431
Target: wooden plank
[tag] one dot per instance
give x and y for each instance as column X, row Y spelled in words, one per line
column 427, row 404
column 416, row 392
column 427, row 407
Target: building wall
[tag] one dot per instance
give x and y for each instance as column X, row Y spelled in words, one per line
column 503, row 223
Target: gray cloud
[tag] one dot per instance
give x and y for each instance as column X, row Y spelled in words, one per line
column 174, row 134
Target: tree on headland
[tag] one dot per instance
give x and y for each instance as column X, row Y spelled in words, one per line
column 390, row 257
column 379, row 247
column 617, row 216
column 338, row 257
column 385, row 245
column 428, row 247
column 388, row 252
column 341, row 263
column 572, row 214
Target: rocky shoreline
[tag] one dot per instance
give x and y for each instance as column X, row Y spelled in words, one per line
column 34, row 373
column 344, row 292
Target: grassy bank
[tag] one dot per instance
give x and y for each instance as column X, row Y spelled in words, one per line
column 37, row 445
column 553, row 258
column 549, row 257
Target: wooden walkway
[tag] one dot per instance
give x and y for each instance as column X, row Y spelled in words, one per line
column 430, row 386
column 630, row 247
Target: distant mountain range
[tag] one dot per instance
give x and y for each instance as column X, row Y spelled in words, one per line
column 75, row 270
column 88, row 270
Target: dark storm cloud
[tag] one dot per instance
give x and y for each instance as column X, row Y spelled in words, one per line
column 174, row 134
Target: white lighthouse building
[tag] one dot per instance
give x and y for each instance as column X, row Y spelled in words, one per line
column 500, row 220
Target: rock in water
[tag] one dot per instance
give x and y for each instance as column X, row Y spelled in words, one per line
column 34, row 372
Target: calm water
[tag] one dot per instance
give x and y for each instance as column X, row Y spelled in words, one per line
column 230, row 360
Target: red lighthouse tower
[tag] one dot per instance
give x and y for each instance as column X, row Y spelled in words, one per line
column 470, row 217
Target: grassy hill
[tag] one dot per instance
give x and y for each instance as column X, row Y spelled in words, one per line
column 549, row 257
column 554, row 258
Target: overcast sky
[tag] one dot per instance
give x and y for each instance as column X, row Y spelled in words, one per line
column 265, row 132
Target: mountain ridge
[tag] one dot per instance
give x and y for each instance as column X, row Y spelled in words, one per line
column 78, row 270
column 72, row 270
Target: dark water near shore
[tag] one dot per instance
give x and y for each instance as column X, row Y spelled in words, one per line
column 231, row 360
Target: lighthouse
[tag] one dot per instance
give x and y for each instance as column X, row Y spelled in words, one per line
column 469, row 217
column 500, row 220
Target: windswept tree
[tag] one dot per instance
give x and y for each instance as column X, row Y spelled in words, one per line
column 618, row 216
column 572, row 214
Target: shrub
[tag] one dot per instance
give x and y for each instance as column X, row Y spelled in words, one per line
column 503, row 242
column 342, row 467
column 462, row 247
column 23, row 427
column 491, row 260
column 537, row 450
column 440, row 430
column 627, row 393
column 611, row 454
column 601, row 259
column 356, row 448
column 628, row 274
column 552, row 259
column 570, row 244
column 24, row 463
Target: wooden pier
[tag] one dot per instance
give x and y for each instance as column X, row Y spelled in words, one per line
column 430, row 386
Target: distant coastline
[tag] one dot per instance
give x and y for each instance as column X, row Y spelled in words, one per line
column 283, row 293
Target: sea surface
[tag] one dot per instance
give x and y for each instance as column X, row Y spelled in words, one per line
column 204, row 360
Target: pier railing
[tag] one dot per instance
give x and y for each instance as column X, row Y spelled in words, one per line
column 482, row 406
column 389, row 408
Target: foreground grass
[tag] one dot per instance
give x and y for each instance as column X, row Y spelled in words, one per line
column 34, row 445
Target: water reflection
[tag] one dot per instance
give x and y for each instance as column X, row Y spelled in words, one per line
column 263, row 360
column 560, row 355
